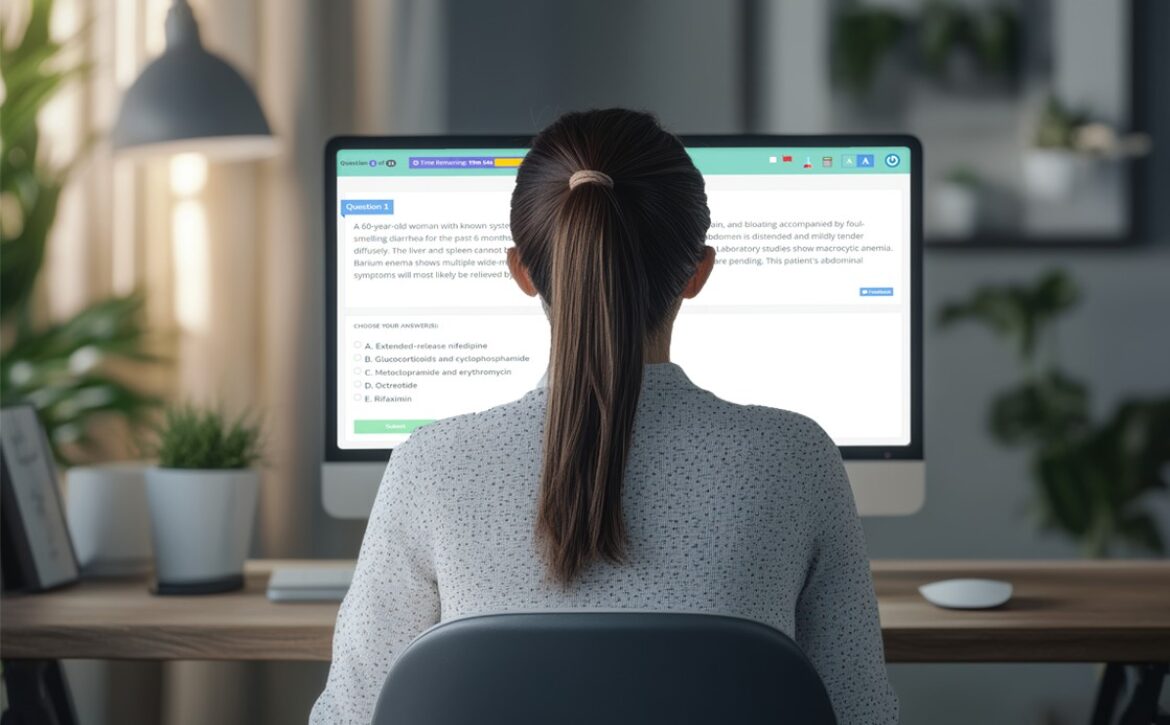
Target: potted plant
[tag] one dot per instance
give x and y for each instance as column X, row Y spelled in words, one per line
column 62, row 367
column 1054, row 163
column 956, row 204
column 863, row 37
column 1097, row 477
column 78, row 372
column 202, row 498
column 969, row 49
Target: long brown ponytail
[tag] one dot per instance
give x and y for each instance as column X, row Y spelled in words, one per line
column 610, row 256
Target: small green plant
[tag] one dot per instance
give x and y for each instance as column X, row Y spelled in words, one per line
column 190, row 437
column 1095, row 477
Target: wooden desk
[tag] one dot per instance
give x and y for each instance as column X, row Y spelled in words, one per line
column 1066, row 611
column 1061, row 612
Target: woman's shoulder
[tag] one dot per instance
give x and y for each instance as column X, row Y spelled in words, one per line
column 484, row 427
column 778, row 428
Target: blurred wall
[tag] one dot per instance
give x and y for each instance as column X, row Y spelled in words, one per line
column 516, row 65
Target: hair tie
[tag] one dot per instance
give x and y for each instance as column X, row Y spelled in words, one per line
column 585, row 176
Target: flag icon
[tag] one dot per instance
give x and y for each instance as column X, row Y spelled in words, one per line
column 787, row 159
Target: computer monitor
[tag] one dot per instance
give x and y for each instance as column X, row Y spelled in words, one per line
column 815, row 303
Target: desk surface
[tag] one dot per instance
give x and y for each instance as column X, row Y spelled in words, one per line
column 1068, row 611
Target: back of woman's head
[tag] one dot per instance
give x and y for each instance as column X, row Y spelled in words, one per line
column 609, row 253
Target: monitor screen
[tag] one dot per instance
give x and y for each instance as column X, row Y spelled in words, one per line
column 809, row 307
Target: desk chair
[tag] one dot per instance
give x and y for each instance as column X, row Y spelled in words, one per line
column 617, row 668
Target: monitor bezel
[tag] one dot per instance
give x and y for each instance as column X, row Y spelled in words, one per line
column 911, row 451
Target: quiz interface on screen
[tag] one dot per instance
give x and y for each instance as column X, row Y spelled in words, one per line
column 807, row 309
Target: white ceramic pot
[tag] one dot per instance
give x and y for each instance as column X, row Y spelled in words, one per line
column 956, row 210
column 109, row 521
column 1051, row 174
column 201, row 524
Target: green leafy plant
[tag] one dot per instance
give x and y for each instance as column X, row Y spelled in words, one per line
column 1094, row 478
column 942, row 27
column 59, row 367
column 990, row 35
column 190, row 437
column 1058, row 125
column 964, row 176
column 862, row 36
column 996, row 38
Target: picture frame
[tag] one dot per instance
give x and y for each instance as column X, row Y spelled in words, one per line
column 37, row 549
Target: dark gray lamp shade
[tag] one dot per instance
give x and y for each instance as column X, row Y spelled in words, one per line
column 190, row 100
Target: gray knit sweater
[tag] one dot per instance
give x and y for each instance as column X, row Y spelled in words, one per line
column 730, row 509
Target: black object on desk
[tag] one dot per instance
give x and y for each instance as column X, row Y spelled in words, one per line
column 37, row 554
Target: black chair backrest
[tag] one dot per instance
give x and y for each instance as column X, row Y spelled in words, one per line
column 602, row 668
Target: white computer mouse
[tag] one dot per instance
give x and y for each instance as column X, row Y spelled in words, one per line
column 967, row 593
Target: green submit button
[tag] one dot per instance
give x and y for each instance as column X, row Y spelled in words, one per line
column 388, row 426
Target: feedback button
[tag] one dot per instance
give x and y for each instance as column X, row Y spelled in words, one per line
column 877, row 291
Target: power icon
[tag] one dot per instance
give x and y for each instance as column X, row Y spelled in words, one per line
column 892, row 160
